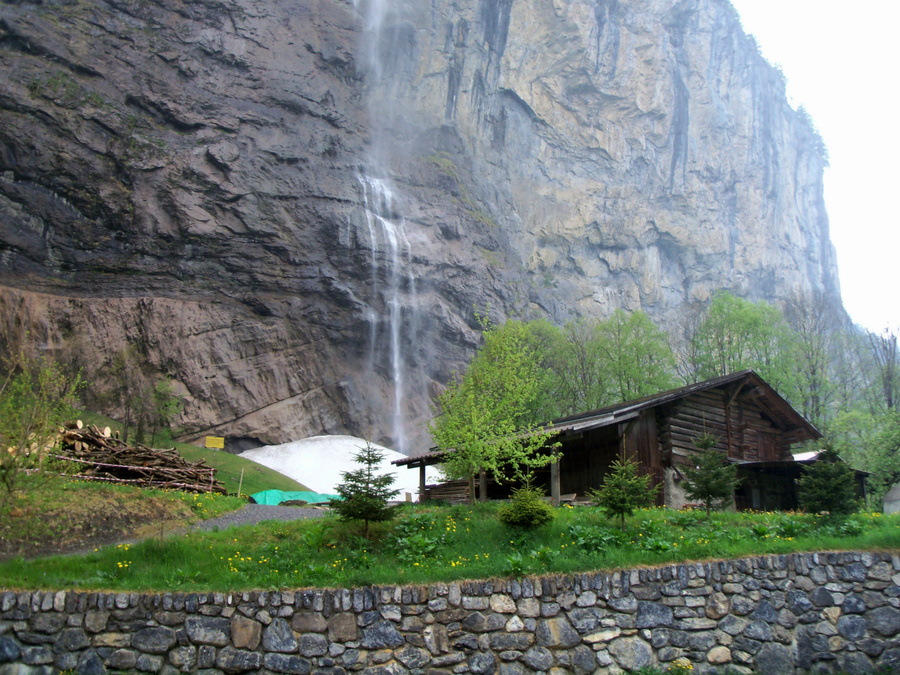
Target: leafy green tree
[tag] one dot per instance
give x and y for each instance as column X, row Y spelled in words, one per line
column 593, row 363
column 736, row 334
column 635, row 355
column 623, row 491
column 486, row 417
column 816, row 327
column 884, row 353
column 129, row 391
column 575, row 380
column 165, row 406
column 36, row 398
column 365, row 492
column 828, row 485
column 713, row 479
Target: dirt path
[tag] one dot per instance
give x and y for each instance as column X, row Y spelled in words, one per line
column 251, row 514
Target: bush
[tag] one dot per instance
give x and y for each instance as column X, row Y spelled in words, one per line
column 36, row 398
column 526, row 510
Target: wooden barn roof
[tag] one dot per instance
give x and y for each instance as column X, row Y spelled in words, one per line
column 770, row 402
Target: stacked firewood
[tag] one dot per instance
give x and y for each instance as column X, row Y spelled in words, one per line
column 99, row 455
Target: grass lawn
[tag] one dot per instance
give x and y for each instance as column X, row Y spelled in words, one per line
column 425, row 544
column 256, row 477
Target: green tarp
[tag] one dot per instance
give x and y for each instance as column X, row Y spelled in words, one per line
column 275, row 497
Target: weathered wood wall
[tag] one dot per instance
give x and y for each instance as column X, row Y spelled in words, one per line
column 745, row 432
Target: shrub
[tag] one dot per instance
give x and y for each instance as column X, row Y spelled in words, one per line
column 597, row 538
column 414, row 538
column 35, row 399
column 526, row 509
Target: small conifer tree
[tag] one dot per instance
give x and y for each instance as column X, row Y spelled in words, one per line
column 828, row 486
column 713, row 479
column 623, row 491
column 364, row 492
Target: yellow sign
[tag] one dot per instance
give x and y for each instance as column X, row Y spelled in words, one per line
column 215, row 442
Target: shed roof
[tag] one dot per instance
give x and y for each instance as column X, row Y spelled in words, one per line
column 769, row 400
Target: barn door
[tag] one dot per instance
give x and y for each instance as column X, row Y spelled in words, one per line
column 766, row 445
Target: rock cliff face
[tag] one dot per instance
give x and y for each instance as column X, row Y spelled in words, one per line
column 295, row 209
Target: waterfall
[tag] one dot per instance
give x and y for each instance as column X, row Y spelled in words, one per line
column 392, row 309
column 393, row 290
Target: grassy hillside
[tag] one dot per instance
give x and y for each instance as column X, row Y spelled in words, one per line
column 428, row 544
column 228, row 467
column 51, row 515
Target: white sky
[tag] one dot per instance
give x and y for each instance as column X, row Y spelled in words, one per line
column 842, row 63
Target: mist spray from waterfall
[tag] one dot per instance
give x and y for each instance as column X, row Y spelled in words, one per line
column 391, row 312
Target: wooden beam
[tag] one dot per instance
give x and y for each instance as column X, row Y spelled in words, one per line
column 421, row 483
column 554, row 483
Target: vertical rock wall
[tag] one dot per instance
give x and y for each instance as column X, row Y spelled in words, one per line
column 190, row 179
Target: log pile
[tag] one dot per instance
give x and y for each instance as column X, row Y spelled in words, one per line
column 101, row 456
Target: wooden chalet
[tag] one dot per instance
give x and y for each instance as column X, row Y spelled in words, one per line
column 754, row 425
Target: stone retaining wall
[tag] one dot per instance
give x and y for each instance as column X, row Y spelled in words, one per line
column 823, row 611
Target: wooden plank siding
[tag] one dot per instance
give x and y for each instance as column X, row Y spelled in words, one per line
column 743, row 430
column 642, row 446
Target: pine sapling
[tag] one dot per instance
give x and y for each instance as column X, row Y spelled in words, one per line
column 713, row 479
column 828, row 486
column 365, row 492
column 623, row 491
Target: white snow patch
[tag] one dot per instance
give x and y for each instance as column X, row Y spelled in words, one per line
column 318, row 462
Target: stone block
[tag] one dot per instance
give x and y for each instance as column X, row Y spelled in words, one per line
column 312, row 644
column 311, row 622
column 379, row 635
column 502, row 604
column 111, row 640
column 154, row 640
column 207, row 630
column 232, row 661
column 245, row 633
column 184, row 658
column 718, row 656
column 884, row 621
column 122, row 659
column 528, row 608
column 631, row 653
column 653, row 615
column 556, row 633
column 482, row 663
column 278, row 637
column 284, row 663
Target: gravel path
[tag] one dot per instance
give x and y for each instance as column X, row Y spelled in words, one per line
column 256, row 513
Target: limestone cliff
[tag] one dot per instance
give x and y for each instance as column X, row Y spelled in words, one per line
column 296, row 208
